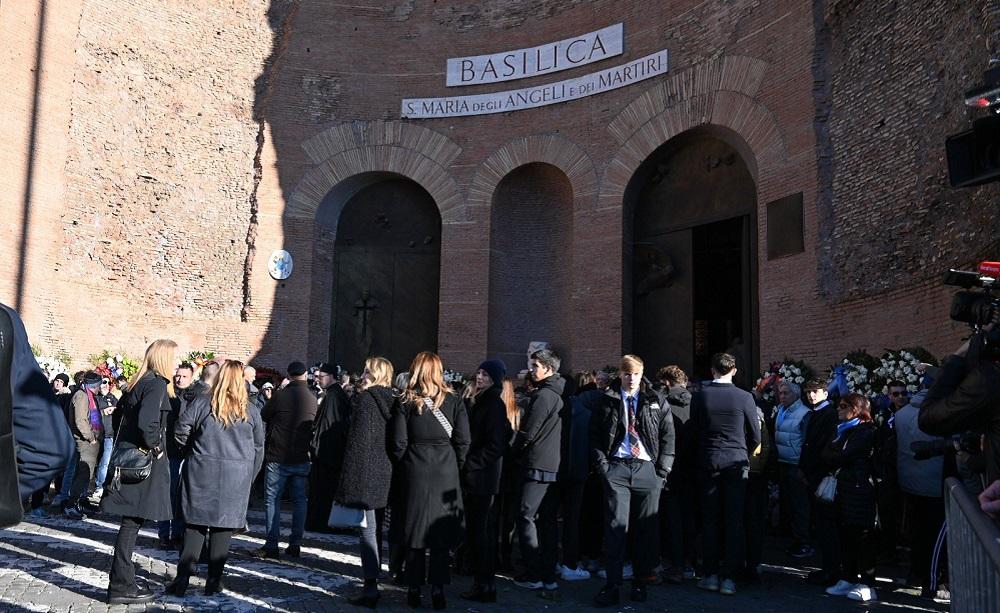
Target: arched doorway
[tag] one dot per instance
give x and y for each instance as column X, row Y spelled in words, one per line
column 691, row 255
column 386, row 272
column 531, row 228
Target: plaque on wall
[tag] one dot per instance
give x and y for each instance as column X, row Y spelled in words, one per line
column 279, row 265
column 784, row 227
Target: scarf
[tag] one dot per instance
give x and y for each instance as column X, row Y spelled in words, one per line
column 93, row 413
column 845, row 426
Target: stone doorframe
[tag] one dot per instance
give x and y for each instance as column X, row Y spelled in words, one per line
column 348, row 157
column 723, row 93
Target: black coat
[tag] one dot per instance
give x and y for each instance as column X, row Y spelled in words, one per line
column 964, row 399
column 724, row 422
column 852, row 454
column 333, row 420
column 219, row 466
column 367, row 469
column 429, row 463
column 289, row 415
column 38, row 425
column 140, row 420
column 820, row 430
column 678, row 400
column 538, row 442
column 655, row 427
column 490, row 433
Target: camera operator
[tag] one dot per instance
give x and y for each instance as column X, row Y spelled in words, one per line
column 966, row 397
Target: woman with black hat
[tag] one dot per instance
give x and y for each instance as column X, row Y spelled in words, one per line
column 490, row 433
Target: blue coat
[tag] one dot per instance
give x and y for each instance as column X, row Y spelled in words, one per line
column 44, row 443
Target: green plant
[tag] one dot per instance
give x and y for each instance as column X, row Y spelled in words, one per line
column 36, row 350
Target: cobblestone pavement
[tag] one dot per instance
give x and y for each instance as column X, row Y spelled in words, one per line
column 62, row 565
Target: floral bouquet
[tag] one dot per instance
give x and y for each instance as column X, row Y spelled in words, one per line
column 455, row 378
column 795, row 371
column 113, row 366
column 51, row 366
column 198, row 359
column 854, row 373
column 905, row 365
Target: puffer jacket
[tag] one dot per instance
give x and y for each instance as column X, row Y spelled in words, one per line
column 789, row 431
column 919, row 477
column 655, row 427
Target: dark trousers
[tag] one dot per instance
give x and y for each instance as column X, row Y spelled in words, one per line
column 122, row 575
column 417, row 571
column 857, row 552
column 323, row 481
column 592, row 518
column 218, row 550
column 824, row 516
column 926, row 516
column 755, row 519
column 795, row 502
column 890, row 514
column 571, row 502
column 85, row 467
column 507, row 514
column 538, row 529
column 173, row 528
column 722, row 498
column 371, row 549
column 678, row 527
column 632, row 499
column 481, row 537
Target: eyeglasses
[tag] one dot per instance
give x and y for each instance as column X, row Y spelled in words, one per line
column 897, row 394
column 105, row 382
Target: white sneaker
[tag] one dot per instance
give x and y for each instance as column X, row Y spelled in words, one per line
column 550, row 586
column 863, row 593
column 573, row 574
column 841, row 588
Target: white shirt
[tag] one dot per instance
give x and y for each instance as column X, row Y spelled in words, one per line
column 625, row 449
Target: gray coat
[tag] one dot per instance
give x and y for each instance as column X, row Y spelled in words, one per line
column 219, row 465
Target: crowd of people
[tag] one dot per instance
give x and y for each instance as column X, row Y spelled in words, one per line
column 634, row 476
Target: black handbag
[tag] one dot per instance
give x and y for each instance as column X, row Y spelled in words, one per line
column 129, row 464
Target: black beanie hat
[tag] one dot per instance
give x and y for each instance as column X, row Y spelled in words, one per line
column 496, row 369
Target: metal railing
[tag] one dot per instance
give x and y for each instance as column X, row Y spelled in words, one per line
column 973, row 553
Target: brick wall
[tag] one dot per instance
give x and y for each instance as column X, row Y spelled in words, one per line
column 173, row 146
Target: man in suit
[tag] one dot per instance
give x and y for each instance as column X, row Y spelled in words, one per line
column 632, row 438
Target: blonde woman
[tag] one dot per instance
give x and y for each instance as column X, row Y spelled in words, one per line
column 140, row 421
column 429, row 438
column 223, row 442
column 367, row 470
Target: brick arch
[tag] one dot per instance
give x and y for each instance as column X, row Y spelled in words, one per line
column 552, row 149
column 348, row 150
column 722, row 92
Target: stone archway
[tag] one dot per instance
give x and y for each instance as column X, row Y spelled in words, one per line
column 350, row 159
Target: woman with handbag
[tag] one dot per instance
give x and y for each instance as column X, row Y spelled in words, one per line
column 138, row 493
column 850, row 454
column 429, row 438
column 223, row 442
column 367, row 470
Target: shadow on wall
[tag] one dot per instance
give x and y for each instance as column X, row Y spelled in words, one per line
column 367, row 258
column 29, row 174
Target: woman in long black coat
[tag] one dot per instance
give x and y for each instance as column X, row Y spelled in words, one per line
column 139, row 423
column 222, row 438
column 851, row 452
column 489, row 432
column 429, row 438
column 367, row 470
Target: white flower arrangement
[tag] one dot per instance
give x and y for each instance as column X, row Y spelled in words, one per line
column 51, row 366
column 791, row 370
column 901, row 365
column 454, row 378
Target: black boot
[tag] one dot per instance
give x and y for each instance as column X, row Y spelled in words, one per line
column 213, row 585
column 413, row 597
column 480, row 593
column 178, row 586
column 369, row 598
column 437, row 597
